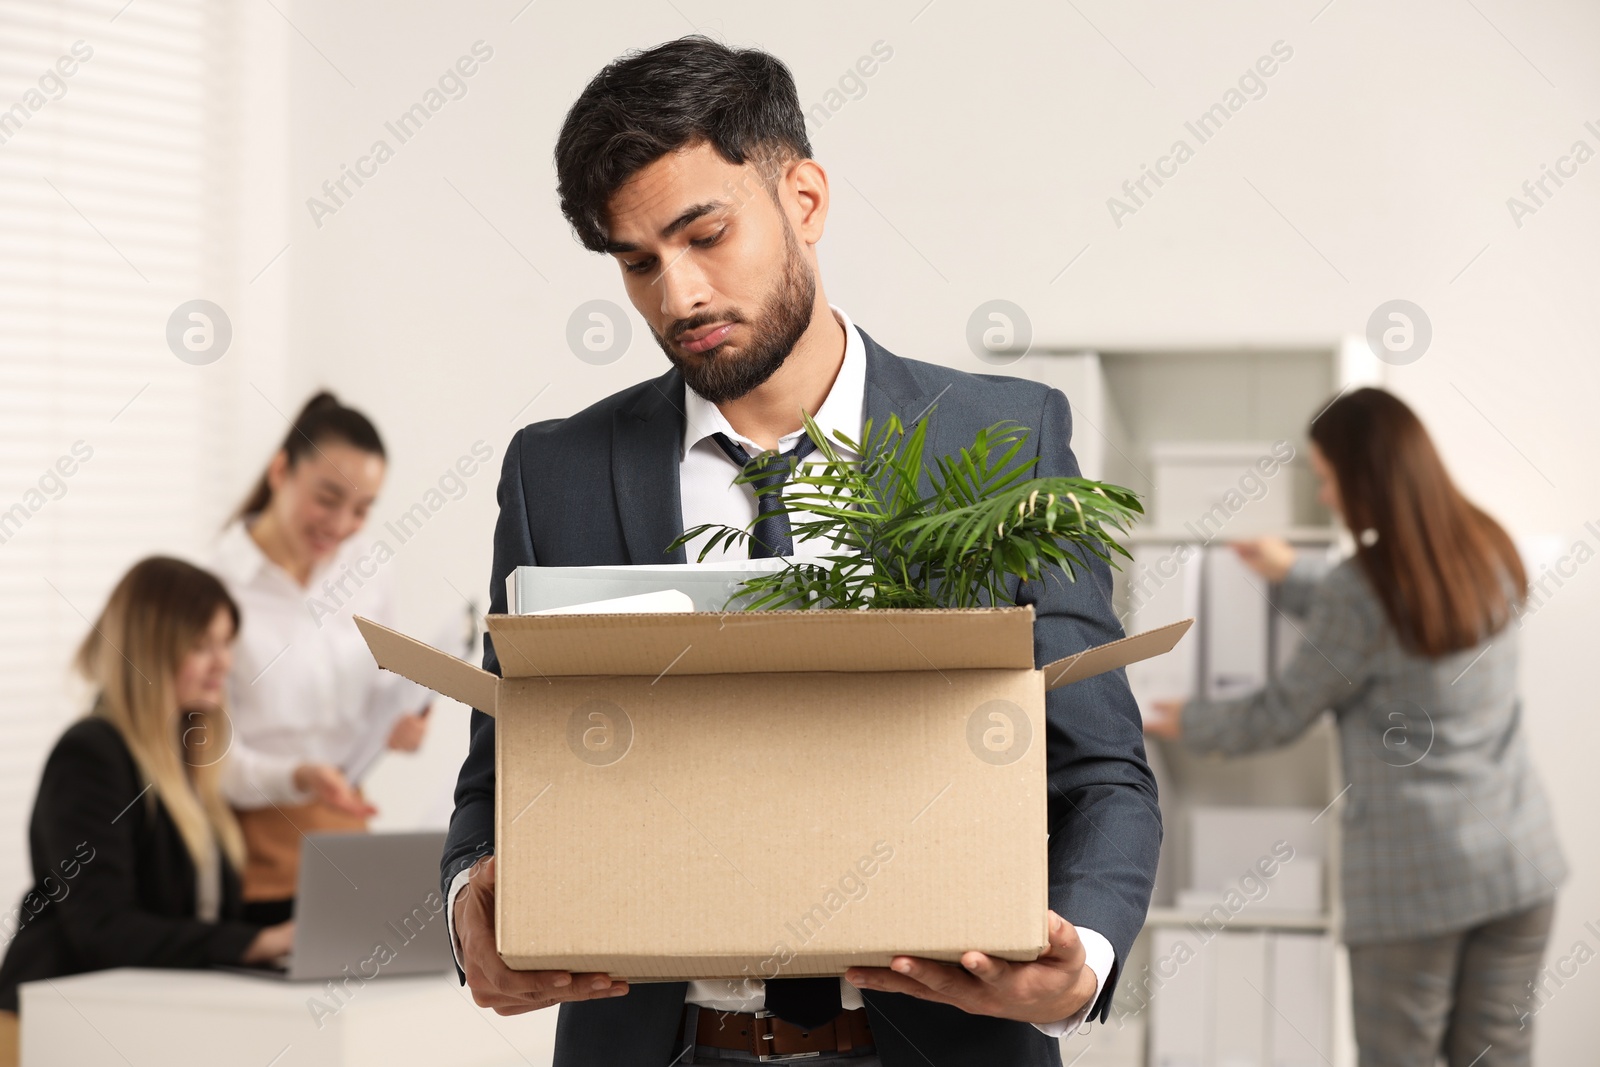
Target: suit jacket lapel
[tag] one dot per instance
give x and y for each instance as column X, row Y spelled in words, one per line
column 646, row 440
column 891, row 388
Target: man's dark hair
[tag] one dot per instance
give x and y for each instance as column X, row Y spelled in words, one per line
column 647, row 104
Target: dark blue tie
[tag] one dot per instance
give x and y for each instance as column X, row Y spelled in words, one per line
column 771, row 535
column 805, row 1002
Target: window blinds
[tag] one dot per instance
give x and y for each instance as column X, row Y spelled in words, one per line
column 113, row 212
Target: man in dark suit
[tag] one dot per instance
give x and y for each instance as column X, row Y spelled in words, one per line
column 689, row 164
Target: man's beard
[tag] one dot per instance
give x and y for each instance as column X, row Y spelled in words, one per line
column 722, row 375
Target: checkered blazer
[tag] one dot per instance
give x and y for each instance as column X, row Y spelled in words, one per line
column 1445, row 823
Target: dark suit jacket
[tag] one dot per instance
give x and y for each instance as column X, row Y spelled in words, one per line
column 601, row 487
column 113, row 883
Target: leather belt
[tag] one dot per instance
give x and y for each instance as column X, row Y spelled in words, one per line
column 770, row 1039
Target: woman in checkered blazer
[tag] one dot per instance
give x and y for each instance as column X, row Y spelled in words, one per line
column 1450, row 860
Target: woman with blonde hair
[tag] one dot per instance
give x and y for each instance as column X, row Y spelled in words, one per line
column 1450, row 859
column 135, row 851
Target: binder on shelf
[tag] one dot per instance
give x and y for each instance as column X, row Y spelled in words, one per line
column 1183, row 1007
column 1163, row 585
column 1240, row 1038
column 1300, row 1030
column 1118, row 1042
column 1226, row 843
column 1234, row 630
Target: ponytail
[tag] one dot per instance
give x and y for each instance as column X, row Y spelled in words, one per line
column 323, row 419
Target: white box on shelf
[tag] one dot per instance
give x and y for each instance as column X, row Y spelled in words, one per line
column 1234, row 627
column 1294, row 887
column 1297, row 886
column 1206, row 486
column 1227, row 843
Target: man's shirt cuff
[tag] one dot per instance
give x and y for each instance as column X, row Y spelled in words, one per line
column 1099, row 957
column 457, row 884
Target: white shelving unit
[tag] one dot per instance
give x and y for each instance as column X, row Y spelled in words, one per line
column 1123, row 402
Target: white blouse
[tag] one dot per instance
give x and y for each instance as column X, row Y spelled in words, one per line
column 304, row 687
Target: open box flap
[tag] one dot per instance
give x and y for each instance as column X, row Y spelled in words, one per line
column 1114, row 654
column 887, row 639
column 439, row 671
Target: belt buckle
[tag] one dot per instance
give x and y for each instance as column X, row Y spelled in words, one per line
column 764, row 1033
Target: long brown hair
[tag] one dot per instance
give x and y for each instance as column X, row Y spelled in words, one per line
column 1448, row 575
column 155, row 615
column 322, row 419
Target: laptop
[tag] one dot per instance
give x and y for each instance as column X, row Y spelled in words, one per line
column 369, row 902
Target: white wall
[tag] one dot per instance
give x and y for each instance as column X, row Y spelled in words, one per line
column 977, row 165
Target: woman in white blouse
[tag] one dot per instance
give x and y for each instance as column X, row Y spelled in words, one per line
column 310, row 708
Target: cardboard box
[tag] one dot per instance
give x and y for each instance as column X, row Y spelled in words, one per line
column 724, row 795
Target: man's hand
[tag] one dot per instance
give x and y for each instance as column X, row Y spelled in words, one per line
column 493, row 984
column 1054, row 987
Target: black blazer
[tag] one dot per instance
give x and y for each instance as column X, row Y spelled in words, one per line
column 601, row 487
column 113, row 883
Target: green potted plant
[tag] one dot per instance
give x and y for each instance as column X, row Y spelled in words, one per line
column 895, row 544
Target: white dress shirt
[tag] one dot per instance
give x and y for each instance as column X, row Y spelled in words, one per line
column 304, row 686
column 709, row 495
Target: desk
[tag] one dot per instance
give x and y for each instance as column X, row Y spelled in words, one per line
column 168, row 1018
